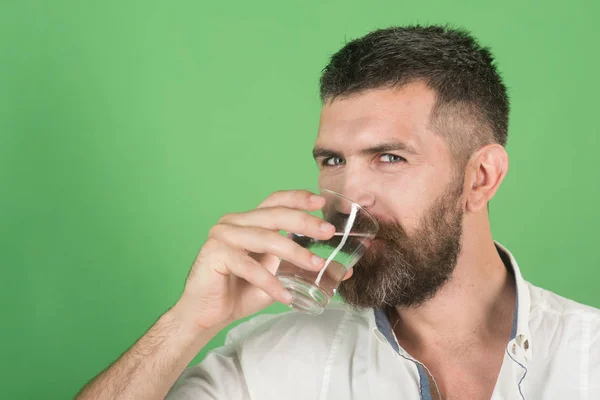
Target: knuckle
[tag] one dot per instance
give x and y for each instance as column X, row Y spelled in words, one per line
column 310, row 223
column 256, row 232
column 274, row 246
column 280, row 246
column 308, row 255
column 226, row 218
column 281, row 211
column 216, row 231
column 262, row 280
column 275, row 196
column 212, row 249
column 271, row 199
column 301, row 253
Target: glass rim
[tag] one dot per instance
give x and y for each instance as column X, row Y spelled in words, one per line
column 373, row 219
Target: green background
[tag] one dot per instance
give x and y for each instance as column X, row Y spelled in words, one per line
column 127, row 128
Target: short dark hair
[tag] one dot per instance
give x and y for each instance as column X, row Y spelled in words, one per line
column 472, row 105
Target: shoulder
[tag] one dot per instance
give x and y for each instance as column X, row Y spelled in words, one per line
column 566, row 332
column 546, row 302
column 270, row 345
column 563, row 322
column 291, row 326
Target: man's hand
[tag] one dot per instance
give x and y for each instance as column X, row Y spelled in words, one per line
column 231, row 278
column 233, row 275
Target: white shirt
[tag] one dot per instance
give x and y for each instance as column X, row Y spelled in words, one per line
column 342, row 354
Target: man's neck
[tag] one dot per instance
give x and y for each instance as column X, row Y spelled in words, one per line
column 476, row 303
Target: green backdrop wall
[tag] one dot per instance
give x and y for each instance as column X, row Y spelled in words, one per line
column 127, row 128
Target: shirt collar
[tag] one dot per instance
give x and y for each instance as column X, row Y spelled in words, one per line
column 519, row 345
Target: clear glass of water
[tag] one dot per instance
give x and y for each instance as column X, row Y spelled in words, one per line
column 355, row 228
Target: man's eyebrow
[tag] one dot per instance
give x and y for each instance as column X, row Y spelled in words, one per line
column 380, row 148
column 389, row 146
column 323, row 152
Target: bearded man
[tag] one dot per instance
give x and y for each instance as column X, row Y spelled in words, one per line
column 413, row 128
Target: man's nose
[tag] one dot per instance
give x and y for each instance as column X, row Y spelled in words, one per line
column 356, row 193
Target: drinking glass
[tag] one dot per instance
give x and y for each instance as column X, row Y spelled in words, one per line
column 355, row 228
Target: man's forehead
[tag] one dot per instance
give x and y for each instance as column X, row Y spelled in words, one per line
column 375, row 116
column 409, row 102
column 357, row 134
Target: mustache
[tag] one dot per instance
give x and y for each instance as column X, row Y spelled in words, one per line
column 388, row 230
column 391, row 231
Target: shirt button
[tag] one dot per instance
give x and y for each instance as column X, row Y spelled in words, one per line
column 522, row 341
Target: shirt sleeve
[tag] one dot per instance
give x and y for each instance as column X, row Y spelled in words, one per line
column 217, row 377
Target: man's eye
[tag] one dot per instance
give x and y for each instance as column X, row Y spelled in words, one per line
column 391, row 158
column 333, row 161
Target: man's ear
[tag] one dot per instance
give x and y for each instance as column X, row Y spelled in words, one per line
column 486, row 170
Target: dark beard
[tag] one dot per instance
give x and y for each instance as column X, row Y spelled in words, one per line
column 406, row 271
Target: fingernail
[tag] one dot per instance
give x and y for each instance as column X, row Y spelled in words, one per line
column 287, row 297
column 317, row 260
column 315, row 199
column 325, row 227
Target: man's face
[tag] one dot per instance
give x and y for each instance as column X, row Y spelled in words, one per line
column 377, row 148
